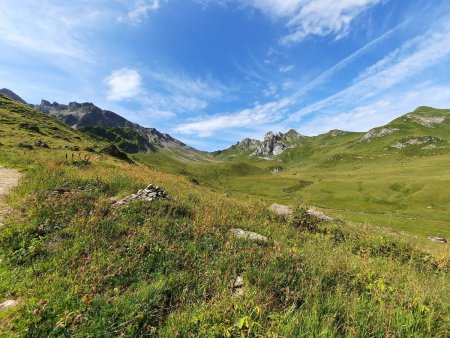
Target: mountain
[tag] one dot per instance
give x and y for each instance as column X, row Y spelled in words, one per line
column 10, row 94
column 275, row 144
column 107, row 125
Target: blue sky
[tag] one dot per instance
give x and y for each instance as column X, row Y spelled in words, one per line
column 211, row 72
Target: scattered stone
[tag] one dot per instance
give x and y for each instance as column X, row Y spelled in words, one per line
column 150, row 193
column 8, row 304
column 253, row 236
column 62, row 138
column 41, row 144
column 30, row 127
column 237, row 286
column 437, row 239
column 25, row 145
column 281, row 210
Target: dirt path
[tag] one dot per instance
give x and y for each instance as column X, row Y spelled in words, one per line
column 9, row 178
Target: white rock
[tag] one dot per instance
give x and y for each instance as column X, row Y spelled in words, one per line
column 253, row 236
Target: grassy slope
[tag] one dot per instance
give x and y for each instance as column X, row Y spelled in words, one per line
column 81, row 268
column 368, row 182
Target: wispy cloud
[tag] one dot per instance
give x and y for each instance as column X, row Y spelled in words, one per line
column 47, row 29
column 381, row 110
column 261, row 114
column 141, row 9
column 286, row 68
column 123, row 84
column 413, row 57
column 313, row 17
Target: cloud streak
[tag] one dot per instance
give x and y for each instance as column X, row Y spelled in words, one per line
column 413, row 57
column 261, row 114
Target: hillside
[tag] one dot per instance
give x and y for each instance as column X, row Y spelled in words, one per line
column 391, row 176
column 74, row 264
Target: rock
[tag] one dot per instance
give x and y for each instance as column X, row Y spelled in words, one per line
column 113, row 151
column 62, row 138
column 253, row 236
column 237, row 286
column 321, row 216
column 30, row 127
column 150, row 193
column 8, row 304
column 25, row 145
column 285, row 211
column 281, row 210
column 41, row 144
column 437, row 239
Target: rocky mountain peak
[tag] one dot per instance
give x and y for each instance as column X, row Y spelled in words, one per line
column 10, row 94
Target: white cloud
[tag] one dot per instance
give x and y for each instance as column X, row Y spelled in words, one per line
column 48, row 29
column 286, row 68
column 313, row 17
column 382, row 110
column 261, row 114
column 141, row 9
column 123, row 84
column 410, row 59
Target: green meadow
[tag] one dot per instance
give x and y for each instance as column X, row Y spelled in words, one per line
column 78, row 267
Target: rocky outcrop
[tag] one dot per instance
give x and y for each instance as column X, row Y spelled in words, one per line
column 276, row 144
column 427, row 121
column 415, row 141
column 87, row 114
column 377, row 133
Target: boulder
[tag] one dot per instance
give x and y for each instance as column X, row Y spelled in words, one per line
column 252, row 236
column 237, row 286
column 8, row 304
column 25, row 145
column 321, row 216
column 437, row 239
column 281, row 210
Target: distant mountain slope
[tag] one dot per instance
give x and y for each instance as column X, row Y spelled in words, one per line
column 425, row 131
column 10, row 94
column 107, row 125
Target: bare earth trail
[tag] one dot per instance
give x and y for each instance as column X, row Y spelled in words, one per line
column 9, row 178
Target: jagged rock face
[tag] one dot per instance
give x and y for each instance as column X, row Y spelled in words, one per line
column 273, row 144
column 87, row 114
column 83, row 114
column 247, row 143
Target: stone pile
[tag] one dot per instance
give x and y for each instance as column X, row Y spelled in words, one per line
column 150, row 193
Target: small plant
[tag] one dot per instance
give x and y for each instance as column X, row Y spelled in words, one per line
column 302, row 220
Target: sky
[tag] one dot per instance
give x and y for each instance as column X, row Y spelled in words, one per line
column 212, row 72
